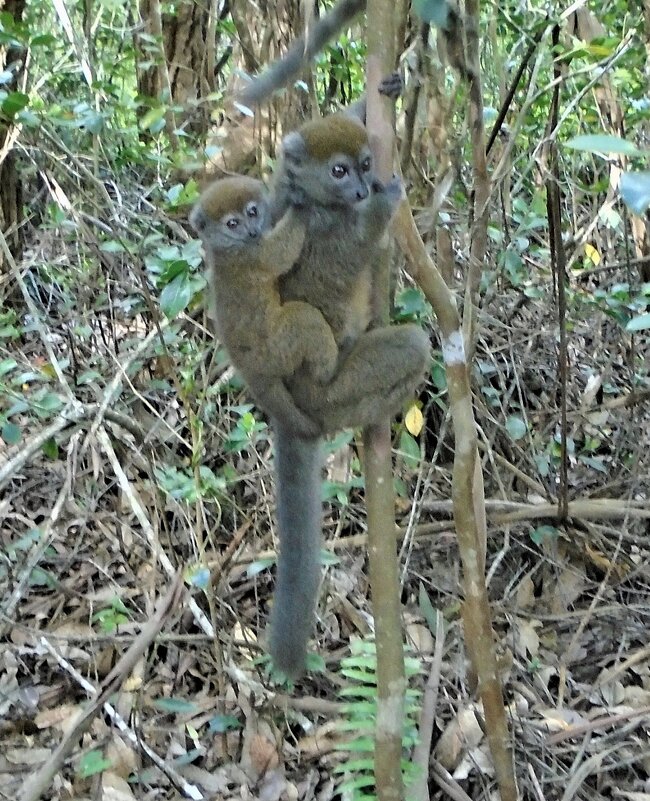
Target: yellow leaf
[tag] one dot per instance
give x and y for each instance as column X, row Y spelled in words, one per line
column 414, row 420
column 48, row 370
column 592, row 254
column 132, row 684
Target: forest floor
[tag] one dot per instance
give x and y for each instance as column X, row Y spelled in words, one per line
column 101, row 504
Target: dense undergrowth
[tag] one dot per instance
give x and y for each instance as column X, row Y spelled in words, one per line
column 131, row 450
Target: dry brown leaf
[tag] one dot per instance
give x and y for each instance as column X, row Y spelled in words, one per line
column 570, row 585
column 259, row 752
column 601, row 561
column 272, row 786
column 244, row 634
column 636, row 696
column 60, row 716
column 263, row 753
column 420, row 638
column 322, row 740
column 115, row 788
column 526, row 593
column 124, row 760
column 609, row 693
column 462, row 734
column 215, row 783
column 27, row 756
column 561, row 719
column 475, row 759
column 526, row 638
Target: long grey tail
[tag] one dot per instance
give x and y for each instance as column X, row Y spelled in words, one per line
column 299, row 514
column 286, row 69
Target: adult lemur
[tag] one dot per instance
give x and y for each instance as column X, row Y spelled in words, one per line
column 325, row 175
column 267, row 340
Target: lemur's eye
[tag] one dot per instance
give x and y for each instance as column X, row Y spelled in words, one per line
column 366, row 164
column 339, row 171
column 252, row 210
column 232, row 223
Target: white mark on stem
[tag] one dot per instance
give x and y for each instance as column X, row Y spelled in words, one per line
column 453, row 348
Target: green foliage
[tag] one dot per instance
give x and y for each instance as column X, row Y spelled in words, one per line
column 92, row 763
column 544, row 534
column 185, row 485
column 411, row 306
column 222, row 723
column 359, row 717
column 247, row 430
column 112, row 616
column 176, row 706
column 603, row 144
column 174, row 268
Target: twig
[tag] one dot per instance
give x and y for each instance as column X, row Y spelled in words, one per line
column 587, row 508
column 447, row 783
column 419, row 790
column 640, row 656
column 36, row 785
column 38, row 549
column 603, row 722
column 138, row 510
column 38, row 323
column 558, row 262
column 380, row 498
column 123, row 726
column 115, row 386
column 70, row 415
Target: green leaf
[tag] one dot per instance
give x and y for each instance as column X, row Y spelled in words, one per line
column 176, row 705
column 41, row 578
column 427, row 608
column 51, row 449
column 47, row 404
column 154, row 120
column 314, row 663
column 92, row 763
column 604, row 143
column 328, row 558
column 516, row 427
column 595, row 462
column 43, row 40
column 222, row 723
column 175, row 296
column 542, row 533
column 411, row 303
column 409, row 449
column 11, row 433
column 7, row 365
column 112, row 246
column 640, row 323
column 635, row 191
column 13, row 103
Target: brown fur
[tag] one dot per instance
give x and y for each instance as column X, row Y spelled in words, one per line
column 268, row 341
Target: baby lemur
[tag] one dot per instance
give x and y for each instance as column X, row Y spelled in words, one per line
column 267, row 340
column 325, row 175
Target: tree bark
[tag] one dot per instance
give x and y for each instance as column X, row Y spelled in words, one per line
column 11, row 195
